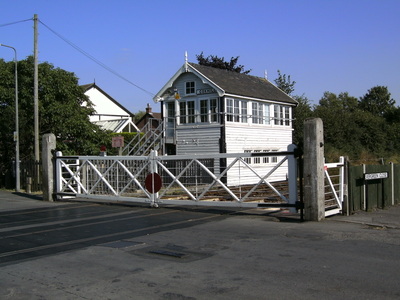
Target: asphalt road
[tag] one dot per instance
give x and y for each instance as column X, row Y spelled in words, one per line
column 30, row 233
column 93, row 251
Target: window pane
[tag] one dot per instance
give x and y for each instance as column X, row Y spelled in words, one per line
column 244, row 111
column 170, row 110
column 254, row 106
column 203, row 111
column 276, row 114
column 229, row 110
column 265, row 158
column 213, row 110
column 182, row 112
column 190, row 87
column 287, row 117
column 247, row 159
column 190, row 112
column 257, row 159
column 260, row 113
column 236, row 110
column 267, row 117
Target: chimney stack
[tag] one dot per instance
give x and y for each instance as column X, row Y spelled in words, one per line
column 148, row 109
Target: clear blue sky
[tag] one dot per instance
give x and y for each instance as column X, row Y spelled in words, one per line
column 337, row 46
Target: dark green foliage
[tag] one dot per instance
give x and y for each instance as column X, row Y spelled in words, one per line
column 359, row 129
column 364, row 129
column 301, row 112
column 377, row 101
column 220, row 63
column 285, row 83
column 60, row 111
column 128, row 136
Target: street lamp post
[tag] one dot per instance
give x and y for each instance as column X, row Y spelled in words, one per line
column 16, row 133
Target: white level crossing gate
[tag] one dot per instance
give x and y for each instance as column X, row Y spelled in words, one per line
column 334, row 187
column 240, row 179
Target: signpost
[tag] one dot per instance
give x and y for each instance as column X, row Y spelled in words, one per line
column 374, row 176
column 118, row 142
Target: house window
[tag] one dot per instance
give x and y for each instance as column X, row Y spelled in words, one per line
column 170, row 111
column 213, row 110
column 190, row 88
column 287, row 116
column 267, row 119
column 257, row 159
column 281, row 115
column 187, row 112
column 257, row 113
column 203, row 111
column 243, row 111
column 236, row 110
column 265, row 158
column 191, row 112
column 229, row 110
column 261, row 160
column 274, row 159
column 182, row 112
column 247, row 159
column 208, row 110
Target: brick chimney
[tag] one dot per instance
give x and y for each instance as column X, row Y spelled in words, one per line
column 148, row 109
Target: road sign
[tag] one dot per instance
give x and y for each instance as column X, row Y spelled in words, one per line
column 153, row 183
column 374, row 176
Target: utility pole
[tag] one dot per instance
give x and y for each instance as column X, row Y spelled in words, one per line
column 36, row 88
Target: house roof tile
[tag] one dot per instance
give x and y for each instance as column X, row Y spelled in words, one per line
column 243, row 85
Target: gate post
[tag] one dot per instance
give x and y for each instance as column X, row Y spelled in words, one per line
column 48, row 144
column 153, row 170
column 314, row 206
column 292, row 176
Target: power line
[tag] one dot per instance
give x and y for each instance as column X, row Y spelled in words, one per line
column 12, row 23
column 95, row 60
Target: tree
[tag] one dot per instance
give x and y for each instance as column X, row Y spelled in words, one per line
column 301, row 112
column 220, row 63
column 377, row 101
column 285, row 83
column 60, row 111
column 341, row 132
column 138, row 115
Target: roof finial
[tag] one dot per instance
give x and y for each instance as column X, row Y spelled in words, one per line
column 265, row 74
column 186, row 61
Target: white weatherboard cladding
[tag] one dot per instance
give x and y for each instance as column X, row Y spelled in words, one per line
column 104, row 106
column 197, row 139
column 180, row 85
column 242, row 175
column 241, row 138
column 256, row 137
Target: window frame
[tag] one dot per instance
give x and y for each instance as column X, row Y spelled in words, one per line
column 209, row 112
column 236, row 110
column 191, row 89
column 282, row 115
column 187, row 112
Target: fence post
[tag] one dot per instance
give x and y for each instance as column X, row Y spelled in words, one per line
column 48, row 144
column 365, row 196
column 292, row 175
column 391, row 176
column 346, row 200
column 153, row 170
column 314, row 206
